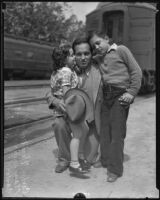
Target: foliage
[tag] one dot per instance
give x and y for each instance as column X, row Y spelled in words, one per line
column 41, row 20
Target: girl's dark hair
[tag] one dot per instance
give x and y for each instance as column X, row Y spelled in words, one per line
column 81, row 40
column 59, row 56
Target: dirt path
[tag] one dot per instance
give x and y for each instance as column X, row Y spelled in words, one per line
column 29, row 172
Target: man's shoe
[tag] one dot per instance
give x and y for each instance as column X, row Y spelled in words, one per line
column 112, row 177
column 60, row 168
column 85, row 164
column 97, row 164
column 77, row 170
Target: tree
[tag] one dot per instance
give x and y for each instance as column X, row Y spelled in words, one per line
column 41, row 20
column 76, row 29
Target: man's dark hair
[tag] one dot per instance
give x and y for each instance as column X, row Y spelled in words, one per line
column 81, row 40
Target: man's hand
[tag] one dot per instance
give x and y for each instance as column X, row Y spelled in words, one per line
column 61, row 105
column 126, row 98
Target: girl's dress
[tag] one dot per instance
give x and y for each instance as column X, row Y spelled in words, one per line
column 62, row 77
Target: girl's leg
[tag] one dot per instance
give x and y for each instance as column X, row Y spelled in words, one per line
column 74, row 147
column 82, row 146
column 78, row 133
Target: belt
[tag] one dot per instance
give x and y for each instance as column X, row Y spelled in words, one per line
column 111, row 88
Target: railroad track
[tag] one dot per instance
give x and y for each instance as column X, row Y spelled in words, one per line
column 29, row 131
column 29, row 122
column 23, row 135
column 26, row 84
column 23, row 101
column 20, row 133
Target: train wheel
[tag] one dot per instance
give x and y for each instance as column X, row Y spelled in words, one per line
column 143, row 88
column 151, row 86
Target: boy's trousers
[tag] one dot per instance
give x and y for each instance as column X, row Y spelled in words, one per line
column 113, row 131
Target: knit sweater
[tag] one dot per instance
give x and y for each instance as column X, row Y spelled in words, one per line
column 119, row 68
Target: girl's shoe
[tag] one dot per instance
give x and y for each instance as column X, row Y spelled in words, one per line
column 77, row 170
column 85, row 164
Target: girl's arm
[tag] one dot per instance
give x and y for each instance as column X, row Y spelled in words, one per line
column 66, row 80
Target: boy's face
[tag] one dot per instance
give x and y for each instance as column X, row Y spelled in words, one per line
column 99, row 45
column 83, row 55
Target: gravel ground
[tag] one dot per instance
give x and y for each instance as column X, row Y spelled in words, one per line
column 29, row 172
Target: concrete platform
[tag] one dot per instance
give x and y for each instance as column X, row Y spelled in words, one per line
column 29, row 172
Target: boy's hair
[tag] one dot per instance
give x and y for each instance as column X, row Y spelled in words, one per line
column 81, row 40
column 59, row 56
column 99, row 34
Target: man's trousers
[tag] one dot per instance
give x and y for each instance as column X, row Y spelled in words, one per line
column 63, row 138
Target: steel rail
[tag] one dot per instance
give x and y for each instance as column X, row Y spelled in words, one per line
column 24, row 101
column 26, row 86
column 30, row 122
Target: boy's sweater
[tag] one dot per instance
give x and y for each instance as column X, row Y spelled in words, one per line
column 120, row 69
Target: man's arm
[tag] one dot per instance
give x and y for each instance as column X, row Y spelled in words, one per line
column 51, row 100
column 54, row 102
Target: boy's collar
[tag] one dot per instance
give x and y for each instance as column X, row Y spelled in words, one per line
column 112, row 47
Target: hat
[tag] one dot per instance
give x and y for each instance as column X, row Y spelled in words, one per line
column 79, row 109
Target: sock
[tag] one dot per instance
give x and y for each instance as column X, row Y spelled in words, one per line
column 74, row 164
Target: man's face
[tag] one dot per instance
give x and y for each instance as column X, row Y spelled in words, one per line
column 99, row 45
column 83, row 55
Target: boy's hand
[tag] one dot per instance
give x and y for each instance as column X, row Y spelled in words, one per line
column 126, row 98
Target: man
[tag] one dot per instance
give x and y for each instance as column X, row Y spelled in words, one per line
column 90, row 82
column 121, row 78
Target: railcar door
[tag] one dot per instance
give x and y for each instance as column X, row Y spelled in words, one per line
column 113, row 25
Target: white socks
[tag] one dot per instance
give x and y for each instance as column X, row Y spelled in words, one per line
column 74, row 164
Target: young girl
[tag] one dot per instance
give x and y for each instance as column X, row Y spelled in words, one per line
column 62, row 79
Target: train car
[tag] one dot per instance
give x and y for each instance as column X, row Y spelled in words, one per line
column 133, row 25
column 26, row 59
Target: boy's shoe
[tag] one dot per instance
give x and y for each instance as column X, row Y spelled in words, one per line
column 77, row 170
column 112, row 177
column 97, row 164
column 85, row 164
column 60, row 168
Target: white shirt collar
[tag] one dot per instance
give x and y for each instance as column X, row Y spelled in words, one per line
column 112, row 47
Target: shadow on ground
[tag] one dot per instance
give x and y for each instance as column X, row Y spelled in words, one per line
column 126, row 157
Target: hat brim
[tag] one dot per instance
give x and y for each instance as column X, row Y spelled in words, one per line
column 89, row 114
column 79, row 129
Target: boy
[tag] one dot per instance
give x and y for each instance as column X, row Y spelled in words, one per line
column 121, row 78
